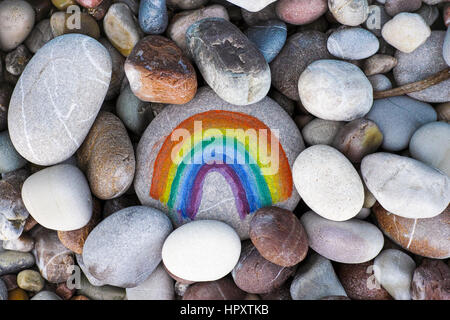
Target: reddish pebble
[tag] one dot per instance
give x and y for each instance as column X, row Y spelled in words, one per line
column 279, row 236
column 10, row 281
column 447, row 15
column 300, row 12
column 80, row 298
column 89, row 3
column 64, row 292
column 222, row 289
column 431, row 281
column 159, row 72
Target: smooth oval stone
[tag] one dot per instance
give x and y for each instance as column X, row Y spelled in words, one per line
column 89, row 3
column 121, row 28
column 215, row 195
column 228, row 61
column 30, row 280
column 48, row 125
column 58, row 198
column 394, row 269
column 52, row 258
column 18, row 294
column 398, row 118
column 431, row 145
column 430, row 281
column 204, row 250
column 269, row 37
column 315, row 279
column 125, row 248
column 10, row 159
column 186, row 4
column 181, row 22
column 74, row 240
column 13, row 213
column 63, row 23
column 352, row 241
column 300, row 50
column 15, row 261
column 406, row 32
column 39, row 36
column 222, row 289
column 425, row 237
column 393, row 7
column 158, row 71
column 319, row 131
column 107, row 157
column 278, row 236
column 352, row 43
column 159, row 286
column 360, row 283
column 100, row 292
column 24, row 243
column 153, row 18
column 406, row 187
column 118, row 72
column 254, row 274
column 16, row 22
column 253, row 5
column 46, row 295
column 328, row 183
column 380, row 82
column 299, row 12
column 349, row 12
column 422, row 63
column 3, row 291
column 335, row 90
column 134, row 113
column 357, row 139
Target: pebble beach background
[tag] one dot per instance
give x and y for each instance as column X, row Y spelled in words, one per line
column 224, row 150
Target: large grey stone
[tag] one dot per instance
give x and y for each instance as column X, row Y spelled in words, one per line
column 398, row 118
column 218, row 195
column 352, row 43
column 57, row 98
column 125, row 248
column 228, row 61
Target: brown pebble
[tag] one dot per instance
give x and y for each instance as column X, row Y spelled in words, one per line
column 17, row 294
column 99, row 12
column 379, row 63
column 222, row 289
column 359, row 281
column 158, row 71
column 10, row 281
column 443, row 111
column 281, row 293
column 79, row 297
column 107, row 157
column 74, row 240
column 64, row 292
column 431, row 281
column 41, row 8
column 357, row 139
column 426, row 237
column 62, row 23
column 254, row 274
column 278, row 236
column 30, row 223
column 394, row 7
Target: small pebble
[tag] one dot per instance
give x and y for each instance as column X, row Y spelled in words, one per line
column 10, row 281
column 315, row 279
column 358, row 138
column 443, row 112
column 158, row 286
column 89, row 3
column 30, row 280
column 15, row 261
column 153, row 18
column 203, row 250
column 394, row 269
column 99, row 292
column 17, row 294
column 300, row 12
column 46, row 295
column 380, row 82
column 335, row 90
column 352, row 44
column 376, row 19
column 39, row 36
column 429, row 13
column 379, row 63
column 41, row 8
column 431, row 145
column 222, row 289
column 349, row 12
column 406, row 32
column 328, row 183
column 393, row 7
column 63, row 4
column 24, row 243
column 351, row 241
column 159, row 72
column 186, row 4
column 10, row 159
column 278, row 236
column 64, row 292
column 319, row 131
column 16, row 22
column 62, row 23
column 99, row 12
column 269, row 37
column 16, row 60
column 254, row 274
column 431, row 281
column 406, row 187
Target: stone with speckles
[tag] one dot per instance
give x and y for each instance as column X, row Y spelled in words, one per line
column 431, row 281
column 351, row 241
column 299, row 12
column 57, row 97
column 153, row 18
column 125, row 248
column 16, row 22
column 406, row 187
column 254, row 274
column 425, row 237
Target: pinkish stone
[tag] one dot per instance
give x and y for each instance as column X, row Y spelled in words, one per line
column 89, row 3
column 300, row 12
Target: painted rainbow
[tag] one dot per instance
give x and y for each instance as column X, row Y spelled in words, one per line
column 177, row 181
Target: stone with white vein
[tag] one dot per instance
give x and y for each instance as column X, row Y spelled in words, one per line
column 57, row 98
